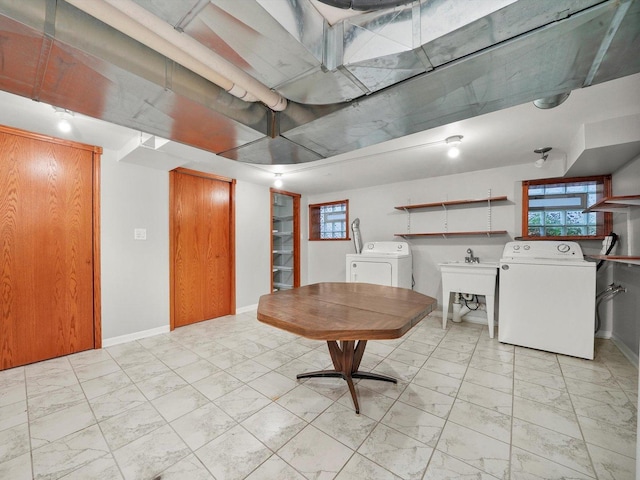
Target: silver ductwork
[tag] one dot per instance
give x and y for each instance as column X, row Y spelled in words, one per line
column 368, row 78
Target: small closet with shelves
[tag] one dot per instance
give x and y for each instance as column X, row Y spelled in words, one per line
column 285, row 240
column 445, row 205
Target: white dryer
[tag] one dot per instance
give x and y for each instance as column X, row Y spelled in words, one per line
column 547, row 297
column 381, row 263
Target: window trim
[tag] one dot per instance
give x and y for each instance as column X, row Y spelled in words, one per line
column 314, row 221
column 607, row 224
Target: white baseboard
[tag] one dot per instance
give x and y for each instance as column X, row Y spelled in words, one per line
column 110, row 342
column 248, row 308
column 626, row 351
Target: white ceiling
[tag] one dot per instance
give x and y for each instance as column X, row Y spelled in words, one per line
column 498, row 139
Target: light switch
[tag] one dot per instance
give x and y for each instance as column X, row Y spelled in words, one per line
column 139, row 233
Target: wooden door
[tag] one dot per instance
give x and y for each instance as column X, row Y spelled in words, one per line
column 49, row 248
column 202, row 247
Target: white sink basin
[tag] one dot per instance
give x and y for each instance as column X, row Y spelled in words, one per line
column 456, row 266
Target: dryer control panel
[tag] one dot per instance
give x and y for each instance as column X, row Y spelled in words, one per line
column 547, row 249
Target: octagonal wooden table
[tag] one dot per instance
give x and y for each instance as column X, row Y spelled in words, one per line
column 348, row 313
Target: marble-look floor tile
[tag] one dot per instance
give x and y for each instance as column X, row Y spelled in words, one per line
column 60, row 399
column 527, row 466
column 486, row 397
column 453, row 343
column 397, row 370
column 599, row 377
column 273, row 359
column 557, row 447
column 444, row 367
column 274, row 425
column 247, row 370
column 189, row 468
column 179, row 358
column 301, row 452
column 541, row 394
column 105, row 384
column 478, row 450
column 492, row 365
column 155, row 387
column 202, row 425
column 546, row 416
column 446, row 467
column 373, row 404
column 14, row 442
column 549, row 365
column 116, row 402
column 416, row 423
column 103, row 468
column 138, row 372
column 484, row 420
column 44, row 383
column 623, row 415
column 273, row 385
column 274, row 468
column 227, row 359
column 304, row 402
column 359, row 468
column 482, row 351
column 60, row 424
column 217, row 385
column 406, row 356
column 233, row 455
column 344, row 425
column 612, row 437
column 461, row 358
column 67, row 454
column 13, row 414
column 197, row 370
column 150, row 454
column 242, row 402
column 417, row 347
column 179, row 402
column 95, row 370
column 398, row 453
column 332, row 388
column 495, row 381
column 131, row 425
column 18, row 468
column 437, row 381
column 610, row 465
column 539, row 377
column 13, row 388
column 428, row 400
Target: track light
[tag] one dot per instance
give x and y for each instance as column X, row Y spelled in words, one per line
column 544, row 153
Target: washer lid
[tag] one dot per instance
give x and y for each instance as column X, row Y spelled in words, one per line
column 543, row 249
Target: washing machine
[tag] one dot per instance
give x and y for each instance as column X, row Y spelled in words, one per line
column 547, row 297
column 382, row 263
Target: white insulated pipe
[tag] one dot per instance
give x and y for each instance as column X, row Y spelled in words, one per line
column 140, row 24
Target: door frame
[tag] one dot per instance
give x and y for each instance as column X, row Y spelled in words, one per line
column 296, row 234
column 232, row 235
column 96, row 157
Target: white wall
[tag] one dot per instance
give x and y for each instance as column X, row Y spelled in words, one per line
column 135, row 273
column 380, row 221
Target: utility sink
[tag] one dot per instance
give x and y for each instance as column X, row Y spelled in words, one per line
column 476, row 278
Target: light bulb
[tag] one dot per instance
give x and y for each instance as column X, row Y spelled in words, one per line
column 278, row 181
column 64, row 125
column 453, row 152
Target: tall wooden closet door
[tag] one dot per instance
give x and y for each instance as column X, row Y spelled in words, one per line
column 202, row 248
column 46, row 247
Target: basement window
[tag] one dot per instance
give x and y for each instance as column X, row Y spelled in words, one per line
column 328, row 221
column 553, row 209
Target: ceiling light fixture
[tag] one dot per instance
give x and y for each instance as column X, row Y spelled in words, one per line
column 64, row 115
column 278, row 181
column 544, row 153
column 453, row 143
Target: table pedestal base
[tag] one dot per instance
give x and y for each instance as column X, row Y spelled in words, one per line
column 346, row 360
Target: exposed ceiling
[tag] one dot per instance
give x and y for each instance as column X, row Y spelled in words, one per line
column 356, row 84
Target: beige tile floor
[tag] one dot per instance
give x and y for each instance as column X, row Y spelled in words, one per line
column 219, row 400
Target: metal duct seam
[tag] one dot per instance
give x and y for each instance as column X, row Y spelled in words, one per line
column 136, row 22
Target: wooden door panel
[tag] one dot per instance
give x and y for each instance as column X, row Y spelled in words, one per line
column 46, row 209
column 201, row 249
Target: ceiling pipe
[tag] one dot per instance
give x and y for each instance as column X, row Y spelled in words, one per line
column 141, row 25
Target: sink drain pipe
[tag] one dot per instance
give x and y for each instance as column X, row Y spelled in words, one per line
column 460, row 310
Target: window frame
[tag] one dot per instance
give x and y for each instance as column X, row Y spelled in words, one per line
column 607, row 221
column 314, row 221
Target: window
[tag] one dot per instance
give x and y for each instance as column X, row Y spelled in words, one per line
column 328, row 221
column 554, row 208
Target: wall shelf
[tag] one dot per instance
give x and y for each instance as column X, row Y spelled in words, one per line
column 615, row 204
column 487, row 202
column 617, row 258
column 449, row 203
column 488, row 233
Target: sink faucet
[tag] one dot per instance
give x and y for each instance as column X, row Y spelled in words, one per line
column 471, row 258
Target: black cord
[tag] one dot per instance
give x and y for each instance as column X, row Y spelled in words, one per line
column 476, row 302
column 614, row 239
